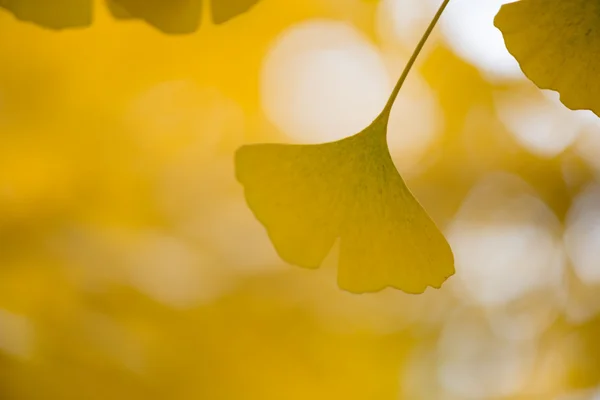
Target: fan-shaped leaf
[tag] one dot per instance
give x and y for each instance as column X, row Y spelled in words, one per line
column 307, row 196
column 55, row 14
column 557, row 44
column 178, row 16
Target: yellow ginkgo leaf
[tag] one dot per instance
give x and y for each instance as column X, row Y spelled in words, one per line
column 307, row 196
column 557, row 44
column 178, row 16
column 55, row 14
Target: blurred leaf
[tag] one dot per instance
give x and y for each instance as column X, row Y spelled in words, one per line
column 55, row 14
column 175, row 16
column 224, row 10
column 556, row 43
column 178, row 16
column 309, row 195
column 169, row 16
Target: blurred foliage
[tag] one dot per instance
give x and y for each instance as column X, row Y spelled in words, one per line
column 56, row 15
column 131, row 268
column 175, row 16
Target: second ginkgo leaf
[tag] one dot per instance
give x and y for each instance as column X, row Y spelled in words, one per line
column 557, row 44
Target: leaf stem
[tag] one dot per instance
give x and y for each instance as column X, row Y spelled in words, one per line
column 388, row 107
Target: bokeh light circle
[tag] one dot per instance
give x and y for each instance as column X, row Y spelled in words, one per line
column 541, row 124
column 322, row 81
column 416, row 122
column 468, row 26
column 506, row 242
column 404, row 20
column 475, row 364
column 582, row 236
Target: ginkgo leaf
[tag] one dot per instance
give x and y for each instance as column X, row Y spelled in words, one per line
column 307, row 196
column 557, row 44
column 55, row 14
column 224, row 10
column 169, row 16
column 173, row 16
column 178, row 16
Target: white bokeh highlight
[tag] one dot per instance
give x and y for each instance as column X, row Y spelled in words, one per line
column 416, row 122
column 506, row 242
column 540, row 124
column 588, row 142
column 475, row 364
column 582, row 235
column 527, row 318
column 322, row 81
column 468, row 27
column 404, row 20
